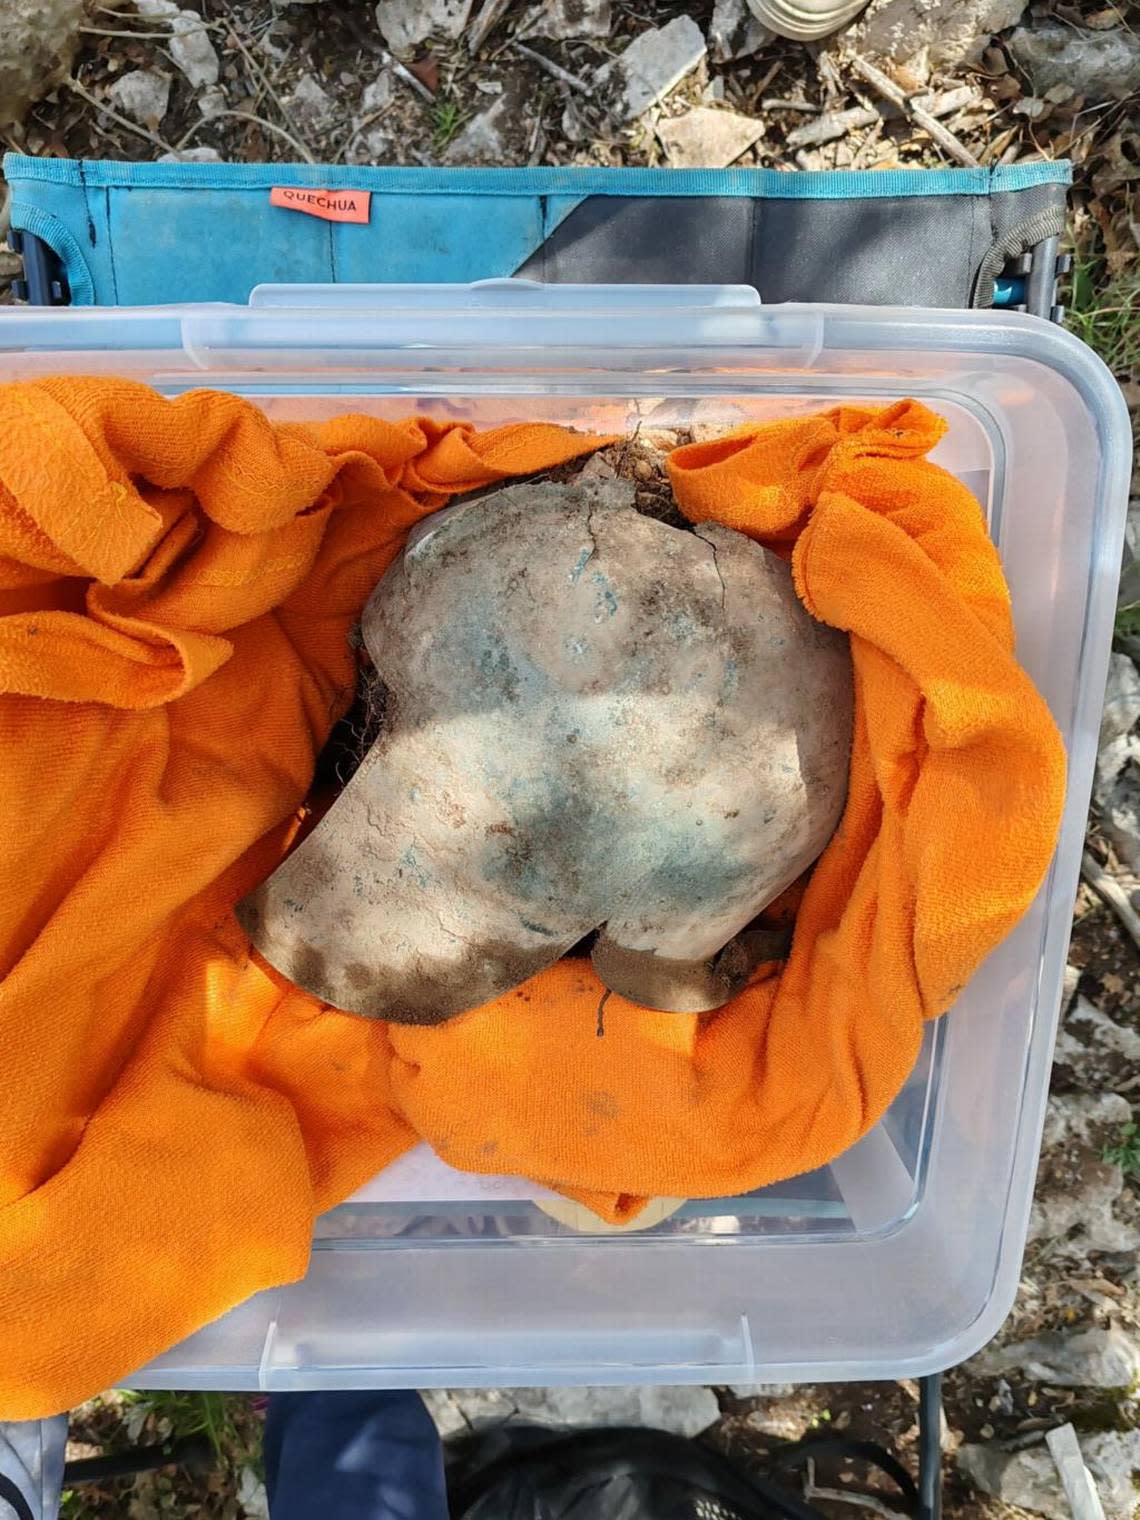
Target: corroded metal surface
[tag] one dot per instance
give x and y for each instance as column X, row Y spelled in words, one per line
column 595, row 720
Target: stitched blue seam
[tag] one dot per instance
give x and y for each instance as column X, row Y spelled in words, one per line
column 43, row 224
column 553, row 215
column 766, row 183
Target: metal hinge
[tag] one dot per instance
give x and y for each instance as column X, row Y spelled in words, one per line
column 43, row 282
column 1029, row 282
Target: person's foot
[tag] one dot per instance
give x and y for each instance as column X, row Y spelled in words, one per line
column 805, row 20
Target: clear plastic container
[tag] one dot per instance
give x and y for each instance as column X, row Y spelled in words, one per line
column 902, row 1256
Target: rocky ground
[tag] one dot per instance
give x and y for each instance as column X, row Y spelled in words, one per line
column 514, row 82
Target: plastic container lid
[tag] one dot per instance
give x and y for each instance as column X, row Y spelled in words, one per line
column 902, row 1256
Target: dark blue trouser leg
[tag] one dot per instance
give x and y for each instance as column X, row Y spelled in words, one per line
column 353, row 1456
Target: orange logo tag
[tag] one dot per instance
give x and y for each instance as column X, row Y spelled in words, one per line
column 330, row 205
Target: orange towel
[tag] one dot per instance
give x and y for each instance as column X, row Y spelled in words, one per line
column 177, row 580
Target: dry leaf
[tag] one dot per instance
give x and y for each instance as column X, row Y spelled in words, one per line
column 1096, row 1285
column 1100, row 21
column 426, row 71
column 1005, row 88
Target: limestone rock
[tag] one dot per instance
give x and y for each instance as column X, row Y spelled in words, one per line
column 373, row 146
column 1096, row 1216
column 212, row 101
column 707, row 139
column 252, row 1499
column 565, row 20
column 1120, row 815
column 1030, row 1480
column 1097, row 1030
column 406, row 23
column 1084, row 1120
column 778, row 1420
column 143, row 95
column 310, row 102
column 1112, row 761
column 650, row 66
column 734, row 31
column 485, row 138
column 1085, row 1359
column 1099, row 65
column 1099, row 1053
column 1069, row 987
column 201, row 155
column 37, row 43
column 446, row 1409
column 1082, row 1203
column 480, row 1406
column 190, row 45
column 686, row 1411
column 1121, row 698
column 930, row 34
column 377, row 94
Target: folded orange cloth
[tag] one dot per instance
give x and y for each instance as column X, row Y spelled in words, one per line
column 177, row 580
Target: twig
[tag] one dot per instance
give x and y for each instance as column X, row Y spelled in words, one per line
column 762, row 84
column 828, row 127
column 774, row 103
column 361, row 127
column 532, row 140
column 997, row 145
column 408, row 77
column 829, row 73
column 1111, row 893
column 867, row 146
column 123, row 121
column 946, row 102
column 1077, row 1481
column 266, row 81
column 891, row 91
column 260, row 121
column 555, row 70
column 485, row 23
column 370, row 45
column 106, row 31
column 845, row 1496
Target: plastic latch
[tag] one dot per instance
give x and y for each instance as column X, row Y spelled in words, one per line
column 435, row 327
column 507, row 293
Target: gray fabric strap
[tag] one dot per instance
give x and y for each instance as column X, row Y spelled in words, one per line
column 1018, row 220
column 936, row 250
